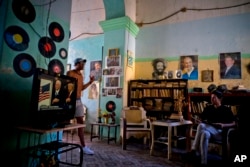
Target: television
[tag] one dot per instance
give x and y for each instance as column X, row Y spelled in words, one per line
column 53, row 99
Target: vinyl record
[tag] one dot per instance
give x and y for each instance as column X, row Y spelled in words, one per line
column 24, row 10
column 56, row 32
column 63, row 53
column 110, row 106
column 170, row 74
column 16, row 38
column 24, row 65
column 56, row 67
column 47, row 47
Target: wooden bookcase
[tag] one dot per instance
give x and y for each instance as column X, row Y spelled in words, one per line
column 157, row 97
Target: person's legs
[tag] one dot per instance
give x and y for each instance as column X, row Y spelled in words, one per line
column 79, row 120
column 196, row 143
column 205, row 136
column 79, row 114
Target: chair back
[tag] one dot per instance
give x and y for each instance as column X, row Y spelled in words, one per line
column 134, row 115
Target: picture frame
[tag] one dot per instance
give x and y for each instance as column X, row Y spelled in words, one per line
column 207, row 75
column 68, row 67
column 130, row 59
column 112, row 81
column 113, row 61
column 113, row 52
column 230, row 65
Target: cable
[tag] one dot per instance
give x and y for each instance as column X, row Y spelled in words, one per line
column 191, row 9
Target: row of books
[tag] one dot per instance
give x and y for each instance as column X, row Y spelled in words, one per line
column 163, row 84
column 174, row 93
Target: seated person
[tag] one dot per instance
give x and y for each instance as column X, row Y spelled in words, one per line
column 214, row 117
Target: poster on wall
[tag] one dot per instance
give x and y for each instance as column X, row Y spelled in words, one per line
column 96, row 69
column 230, row 65
column 189, row 67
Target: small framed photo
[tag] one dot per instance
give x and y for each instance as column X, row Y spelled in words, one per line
column 113, row 61
column 114, row 52
column 207, row 76
column 68, row 67
column 130, row 59
column 112, row 81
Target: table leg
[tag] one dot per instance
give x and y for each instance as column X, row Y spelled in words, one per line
column 169, row 142
column 152, row 140
column 108, row 133
column 91, row 132
column 115, row 133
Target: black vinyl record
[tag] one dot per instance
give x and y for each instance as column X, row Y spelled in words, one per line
column 24, row 65
column 110, row 106
column 56, row 67
column 16, row 38
column 47, row 47
column 24, row 10
column 56, row 32
column 63, row 53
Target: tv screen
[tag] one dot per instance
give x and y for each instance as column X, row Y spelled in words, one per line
column 53, row 99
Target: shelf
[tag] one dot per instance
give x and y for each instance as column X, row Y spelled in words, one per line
column 157, row 97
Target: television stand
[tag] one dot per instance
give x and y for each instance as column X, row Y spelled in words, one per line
column 36, row 150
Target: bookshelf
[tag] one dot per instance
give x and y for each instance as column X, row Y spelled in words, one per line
column 158, row 97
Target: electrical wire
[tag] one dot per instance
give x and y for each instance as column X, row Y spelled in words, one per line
column 192, row 9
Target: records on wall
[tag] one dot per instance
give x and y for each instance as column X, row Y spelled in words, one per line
column 24, row 10
column 63, row 53
column 24, row 65
column 47, row 47
column 56, row 32
column 56, row 67
column 16, row 38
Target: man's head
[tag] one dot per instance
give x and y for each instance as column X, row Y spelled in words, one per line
column 159, row 65
column 79, row 63
column 188, row 63
column 229, row 60
column 216, row 94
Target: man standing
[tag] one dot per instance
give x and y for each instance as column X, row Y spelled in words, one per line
column 79, row 113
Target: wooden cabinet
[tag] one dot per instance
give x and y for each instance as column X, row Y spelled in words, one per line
column 158, row 97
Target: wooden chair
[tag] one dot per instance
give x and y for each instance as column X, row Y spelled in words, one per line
column 133, row 122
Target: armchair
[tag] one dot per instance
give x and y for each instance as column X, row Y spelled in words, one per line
column 133, row 122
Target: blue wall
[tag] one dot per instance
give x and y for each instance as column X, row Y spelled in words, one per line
column 202, row 37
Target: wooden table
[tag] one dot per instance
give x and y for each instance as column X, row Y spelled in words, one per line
column 100, row 131
column 55, row 147
column 170, row 124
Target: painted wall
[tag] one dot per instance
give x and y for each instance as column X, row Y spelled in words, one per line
column 16, row 72
column 206, row 38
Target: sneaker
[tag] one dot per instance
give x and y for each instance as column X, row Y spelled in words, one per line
column 87, row 150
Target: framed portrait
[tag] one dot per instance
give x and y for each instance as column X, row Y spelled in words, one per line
column 96, row 69
column 113, row 52
column 189, row 67
column 207, row 76
column 230, row 65
column 112, row 81
column 113, row 61
column 68, row 67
